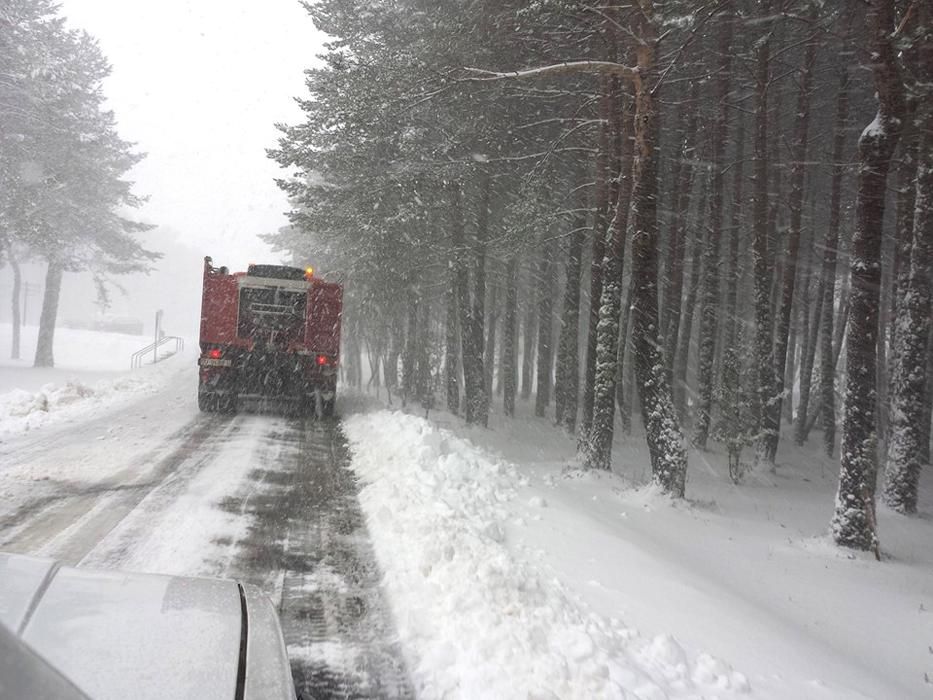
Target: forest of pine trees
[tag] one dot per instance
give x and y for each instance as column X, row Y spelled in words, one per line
column 709, row 219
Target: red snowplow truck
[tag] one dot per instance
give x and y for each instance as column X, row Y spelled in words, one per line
column 270, row 333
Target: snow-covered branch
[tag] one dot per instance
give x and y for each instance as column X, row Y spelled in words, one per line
column 569, row 67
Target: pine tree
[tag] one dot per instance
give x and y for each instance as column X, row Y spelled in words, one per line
column 62, row 186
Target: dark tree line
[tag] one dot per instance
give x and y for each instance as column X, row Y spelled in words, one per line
column 63, row 192
column 676, row 211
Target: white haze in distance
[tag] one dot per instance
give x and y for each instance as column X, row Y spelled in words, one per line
column 199, row 85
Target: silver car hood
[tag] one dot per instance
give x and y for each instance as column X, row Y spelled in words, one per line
column 129, row 635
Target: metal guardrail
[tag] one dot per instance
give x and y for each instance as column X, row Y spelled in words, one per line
column 137, row 359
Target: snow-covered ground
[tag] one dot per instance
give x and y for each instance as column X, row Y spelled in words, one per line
column 91, row 374
column 513, row 575
column 510, row 574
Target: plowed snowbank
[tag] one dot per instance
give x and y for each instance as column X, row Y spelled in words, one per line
column 477, row 620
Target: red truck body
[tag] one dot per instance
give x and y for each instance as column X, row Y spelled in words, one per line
column 270, row 332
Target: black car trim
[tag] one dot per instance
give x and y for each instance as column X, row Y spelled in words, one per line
column 244, row 636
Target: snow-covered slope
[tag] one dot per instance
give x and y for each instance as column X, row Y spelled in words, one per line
column 91, row 375
column 513, row 575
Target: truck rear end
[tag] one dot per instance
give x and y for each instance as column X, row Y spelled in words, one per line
column 270, row 333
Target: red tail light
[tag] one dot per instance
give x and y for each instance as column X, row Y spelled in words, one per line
column 322, row 360
column 214, row 353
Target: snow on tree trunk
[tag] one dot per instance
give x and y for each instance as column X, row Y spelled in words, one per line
column 909, row 380
column 623, row 383
column 567, row 386
column 927, row 423
column 909, row 386
column 597, row 453
column 45, row 356
column 510, row 337
column 905, row 211
column 853, row 522
column 710, row 308
column 662, row 431
column 599, row 251
column 830, row 254
column 764, row 347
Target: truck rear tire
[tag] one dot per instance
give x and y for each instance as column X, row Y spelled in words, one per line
column 327, row 408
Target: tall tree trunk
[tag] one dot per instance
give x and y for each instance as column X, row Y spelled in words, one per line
column 797, row 178
column 598, row 447
column 424, row 392
column 735, row 231
column 567, row 386
column 471, row 343
column 45, row 356
column 677, row 245
column 909, row 386
column 478, row 399
column 409, row 358
column 853, row 523
column 764, row 347
column 827, row 358
column 510, row 338
column 15, row 299
column 528, row 337
column 662, row 431
column 685, row 334
column 599, row 251
column 730, row 392
column 390, row 363
column 898, row 249
column 623, row 385
column 452, row 341
column 710, row 308
column 490, row 353
column 927, row 422
column 807, row 360
column 545, row 327
column 787, row 382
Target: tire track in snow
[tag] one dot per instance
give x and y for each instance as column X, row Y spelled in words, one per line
column 308, row 548
column 69, row 518
column 179, row 527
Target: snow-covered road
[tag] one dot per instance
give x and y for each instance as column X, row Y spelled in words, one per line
column 154, row 485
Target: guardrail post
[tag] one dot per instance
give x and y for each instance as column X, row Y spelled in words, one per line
column 155, row 341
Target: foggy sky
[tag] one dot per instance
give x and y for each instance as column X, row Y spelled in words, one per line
column 198, row 84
